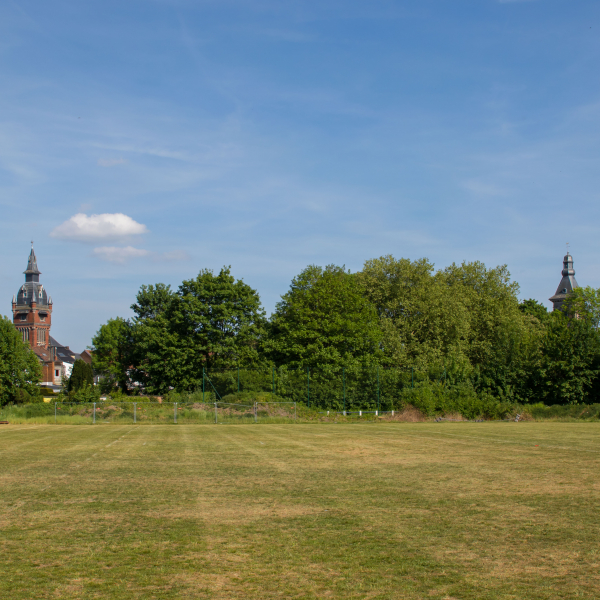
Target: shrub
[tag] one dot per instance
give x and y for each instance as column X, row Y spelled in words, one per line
column 435, row 398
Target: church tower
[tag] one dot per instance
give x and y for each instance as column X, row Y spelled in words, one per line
column 567, row 283
column 32, row 308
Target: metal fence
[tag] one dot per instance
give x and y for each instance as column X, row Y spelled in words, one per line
column 96, row 413
column 362, row 387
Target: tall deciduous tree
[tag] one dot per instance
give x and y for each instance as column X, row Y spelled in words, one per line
column 219, row 321
column 584, row 303
column 324, row 321
column 158, row 355
column 570, row 364
column 424, row 323
column 20, row 369
column 112, row 351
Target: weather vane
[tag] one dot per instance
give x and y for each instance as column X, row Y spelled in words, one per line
column 567, row 247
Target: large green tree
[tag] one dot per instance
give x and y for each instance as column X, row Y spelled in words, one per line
column 112, row 351
column 584, row 303
column 423, row 322
column 502, row 342
column 324, row 321
column 159, row 352
column 20, row 370
column 570, row 363
column 219, row 322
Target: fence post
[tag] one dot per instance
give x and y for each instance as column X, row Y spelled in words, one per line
column 55, row 412
column 94, row 412
column 215, row 413
column 238, row 370
column 255, row 415
column 344, row 385
column 273, row 384
column 308, row 386
column 175, row 413
column 378, row 405
column 295, row 413
column 134, row 412
column 202, row 385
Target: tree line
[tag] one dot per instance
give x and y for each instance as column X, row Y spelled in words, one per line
column 395, row 324
column 464, row 321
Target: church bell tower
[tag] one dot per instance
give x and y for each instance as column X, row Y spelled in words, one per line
column 567, row 284
column 32, row 308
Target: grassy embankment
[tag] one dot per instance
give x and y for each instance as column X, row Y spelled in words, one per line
column 470, row 511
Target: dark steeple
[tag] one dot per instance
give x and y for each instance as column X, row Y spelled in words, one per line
column 32, row 273
column 567, row 284
column 32, row 290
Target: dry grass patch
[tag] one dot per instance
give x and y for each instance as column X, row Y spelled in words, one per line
column 398, row 510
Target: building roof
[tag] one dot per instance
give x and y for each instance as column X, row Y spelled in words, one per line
column 32, row 290
column 63, row 353
column 32, row 268
column 568, row 283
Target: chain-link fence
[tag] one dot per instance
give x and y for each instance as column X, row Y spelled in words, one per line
column 153, row 413
column 360, row 388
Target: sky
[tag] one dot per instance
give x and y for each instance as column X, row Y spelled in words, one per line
column 143, row 141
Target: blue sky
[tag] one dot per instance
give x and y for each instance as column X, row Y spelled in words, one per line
column 269, row 135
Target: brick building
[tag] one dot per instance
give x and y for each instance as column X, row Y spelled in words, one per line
column 32, row 316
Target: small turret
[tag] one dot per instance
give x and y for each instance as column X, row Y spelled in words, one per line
column 567, row 284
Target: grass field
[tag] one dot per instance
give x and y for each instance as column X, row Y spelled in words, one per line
column 440, row 511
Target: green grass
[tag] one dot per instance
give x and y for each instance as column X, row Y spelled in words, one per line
column 411, row 511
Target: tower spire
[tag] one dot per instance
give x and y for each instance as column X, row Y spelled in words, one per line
column 567, row 284
column 32, row 268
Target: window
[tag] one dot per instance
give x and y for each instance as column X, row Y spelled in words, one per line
column 55, row 372
column 23, row 317
column 41, row 336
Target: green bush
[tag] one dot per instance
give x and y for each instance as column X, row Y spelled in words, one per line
column 435, row 398
column 587, row 412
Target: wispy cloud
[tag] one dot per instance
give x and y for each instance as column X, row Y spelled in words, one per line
column 81, row 228
column 122, row 255
column 118, row 255
column 111, row 162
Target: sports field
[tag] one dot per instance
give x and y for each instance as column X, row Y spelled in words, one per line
column 499, row 510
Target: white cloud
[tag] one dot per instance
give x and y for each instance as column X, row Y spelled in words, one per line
column 118, row 255
column 111, row 162
column 81, row 228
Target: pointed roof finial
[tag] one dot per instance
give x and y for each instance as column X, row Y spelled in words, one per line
column 567, row 247
column 32, row 268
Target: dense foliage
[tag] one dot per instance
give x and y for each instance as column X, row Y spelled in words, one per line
column 20, row 370
column 81, row 376
column 398, row 330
